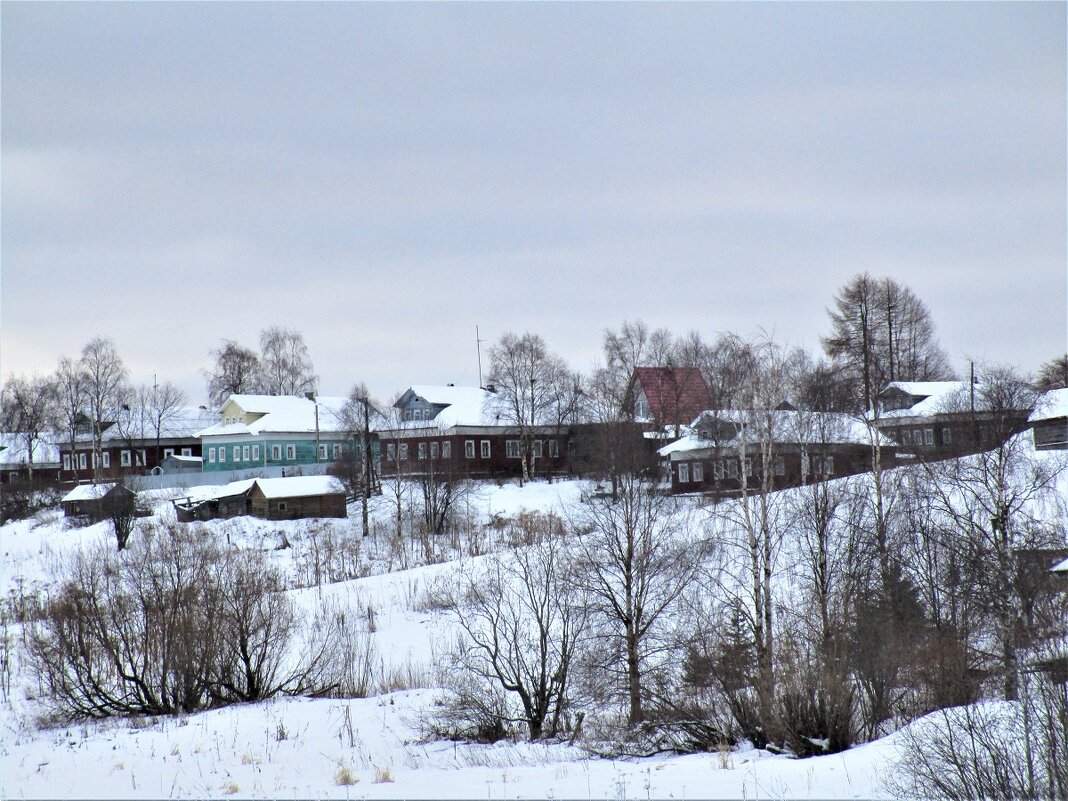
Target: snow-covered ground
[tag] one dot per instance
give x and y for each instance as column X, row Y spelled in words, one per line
column 374, row 747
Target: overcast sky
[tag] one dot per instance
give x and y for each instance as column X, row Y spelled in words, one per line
column 385, row 177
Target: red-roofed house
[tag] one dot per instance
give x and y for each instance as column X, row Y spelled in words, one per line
column 667, row 396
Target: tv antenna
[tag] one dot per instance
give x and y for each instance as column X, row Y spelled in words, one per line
column 478, row 347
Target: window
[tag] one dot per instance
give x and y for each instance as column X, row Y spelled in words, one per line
column 236, row 454
column 282, row 506
column 748, row 467
column 435, row 450
column 537, row 449
column 928, row 436
column 554, row 449
column 142, row 458
column 211, row 455
column 684, row 473
column 446, row 450
column 105, row 458
column 337, row 450
column 469, row 449
column 828, row 466
column 81, row 460
column 718, row 470
column 391, row 451
column 485, row 449
column 168, row 452
column 276, row 453
column 255, row 453
column 291, row 453
column 698, row 472
column 187, row 451
column 780, row 465
column 404, row 452
column 322, row 450
column 124, row 458
column 422, row 451
column 511, row 448
column 245, row 454
column 947, row 436
column 222, row 455
column 906, row 437
column 732, row 468
column 66, row 461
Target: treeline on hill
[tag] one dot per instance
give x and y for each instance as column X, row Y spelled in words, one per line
column 803, row 621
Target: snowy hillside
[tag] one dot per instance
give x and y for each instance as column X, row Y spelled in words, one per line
column 374, row 747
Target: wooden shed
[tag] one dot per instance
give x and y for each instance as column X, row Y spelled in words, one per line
column 297, row 497
column 215, row 503
column 96, row 501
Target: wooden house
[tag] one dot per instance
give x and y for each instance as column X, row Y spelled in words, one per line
column 723, row 452
column 1049, row 421
column 453, row 432
column 666, row 396
column 942, row 419
column 133, row 444
column 277, row 431
column 16, row 464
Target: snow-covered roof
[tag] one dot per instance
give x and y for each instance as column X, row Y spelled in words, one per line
column 13, row 450
column 937, row 396
column 282, row 414
column 464, row 406
column 1050, row 405
column 209, row 493
column 185, row 459
column 786, row 426
column 140, row 424
column 299, row 486
column 1060, row 567
column 87, row 492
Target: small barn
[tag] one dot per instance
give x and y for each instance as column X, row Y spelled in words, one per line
column 96, row 501
column 178, row 464
column 297, row 497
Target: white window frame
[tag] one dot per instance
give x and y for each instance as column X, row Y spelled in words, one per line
column 402, row 452
column 105, row 458
column 469, row 449
column 255, row 453
column 168, row 452
column 246, row 453
column 323, row 450
column 124, row 459
column 554, row 449
column 435, row 451
column 485, row 449
column 421, row 452
column 291, row 453
column 779, row 465
column 947, row 435
column 928, row 436
column 82, row 459
column 235, row 454
column 337, row 450
column 511, row 449
column 446, row 450
column 276, row 453
column 211, row 456
column 66, row 461
column 698, row 472
column 719, row 470
column 222, row 454
column 187, row 451
column 537, row 449
column 684, row 473
column 391, row 451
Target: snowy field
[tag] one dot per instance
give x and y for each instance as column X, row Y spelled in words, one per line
column 374, row 747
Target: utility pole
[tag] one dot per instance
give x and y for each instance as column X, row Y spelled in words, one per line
column 366, row 465
column 478, row 347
